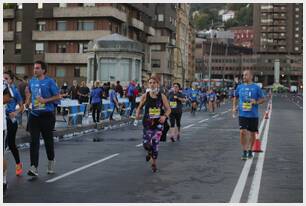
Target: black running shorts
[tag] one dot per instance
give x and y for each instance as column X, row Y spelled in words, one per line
column 250, row 124
column 175, row 117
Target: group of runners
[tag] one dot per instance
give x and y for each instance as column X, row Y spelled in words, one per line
column 158, row 107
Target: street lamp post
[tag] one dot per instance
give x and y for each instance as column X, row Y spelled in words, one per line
column 182, row 65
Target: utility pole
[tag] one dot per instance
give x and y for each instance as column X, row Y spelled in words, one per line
column 210, row 53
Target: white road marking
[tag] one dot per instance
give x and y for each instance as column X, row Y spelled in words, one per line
column 254, row 190
column 236, row 196
column 204, row 120
column 297, row 105
column 81, row 168
column 215, row 116
column 224, row 112
column 188, row 126
column 139, row 145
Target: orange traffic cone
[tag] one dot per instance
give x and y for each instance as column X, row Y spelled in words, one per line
column 257, row 144
column 266, row 115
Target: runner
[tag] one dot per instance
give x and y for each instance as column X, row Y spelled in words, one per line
column 193, row 96
column 203, row 99
column 211, row 101
column 7, row 96
column 176, row 98
column 153, row 119
column 11, row 119
column 250, row 95
column 43, row 92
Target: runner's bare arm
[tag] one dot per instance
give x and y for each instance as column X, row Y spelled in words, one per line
column 166, row 105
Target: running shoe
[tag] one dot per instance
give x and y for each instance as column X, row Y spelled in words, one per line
column 244, row 155
column 18, row 169
column 154, row 168
column 250, row 154
column 172, row 139
column 33, row 171
column 51, row 164
column 178, row 137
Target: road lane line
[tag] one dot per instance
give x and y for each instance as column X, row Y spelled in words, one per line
column 139, row 145
column 204, row 120
column 215, row 116
column 255, row 186
column 236, row 196
column 188, row 126
column 224, row 112
column 81, row 168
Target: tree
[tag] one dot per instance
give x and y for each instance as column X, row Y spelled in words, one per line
column 9, row 6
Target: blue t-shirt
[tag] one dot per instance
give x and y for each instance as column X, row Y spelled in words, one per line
column 45, row 88
column 130, row 90
column 245, row 92
column 11, row 106
column 193, row 94
column 96, row 95
column 212, row 96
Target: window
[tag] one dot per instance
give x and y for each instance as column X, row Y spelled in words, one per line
column 61, row 48
column 18, row 26
column 41, row 26
column 17, row 48
column 83, row 71
column 86, row 25
column 40, row 5
column 61, row 25
column 77, row 71
column 39, row 48
column 160, row 17
column 60, row 72
column 297, row 9
column 297, row 16
column 296, row 48
column 296, row 35
column 62, row 5
column 83, row 47
column 19, row 6
column 155, row 63
column 20, row 70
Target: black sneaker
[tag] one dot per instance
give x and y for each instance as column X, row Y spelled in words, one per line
column 250, row 154
column 244, row 155
column 172, row 139
column 33, row 171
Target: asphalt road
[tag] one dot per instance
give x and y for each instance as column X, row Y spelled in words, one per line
column 204, row 166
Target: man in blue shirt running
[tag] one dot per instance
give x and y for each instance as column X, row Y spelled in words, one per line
column 249, row 96
column 43, row 92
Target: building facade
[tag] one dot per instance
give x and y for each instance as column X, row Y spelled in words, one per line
column 182, row 42
column 59, row 34
column 160, row 53
column 278, row 32
column 190, row 72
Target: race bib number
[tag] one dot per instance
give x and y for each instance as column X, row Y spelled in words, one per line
column 154, row 113
column 173, row 105
column 38, row 106
column 194, row 95
column 246, row 106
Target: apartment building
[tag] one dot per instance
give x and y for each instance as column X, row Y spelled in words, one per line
column 59, row 33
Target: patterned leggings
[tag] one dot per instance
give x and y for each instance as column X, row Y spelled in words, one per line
column 151, row 138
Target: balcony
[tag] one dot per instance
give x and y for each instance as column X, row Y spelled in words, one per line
column 106, row 11
column 151, row 31
column 137, row 24
column 66, row 58
column 8, row 36
column 8, row 14
column 159, row 39
column 68, row 35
